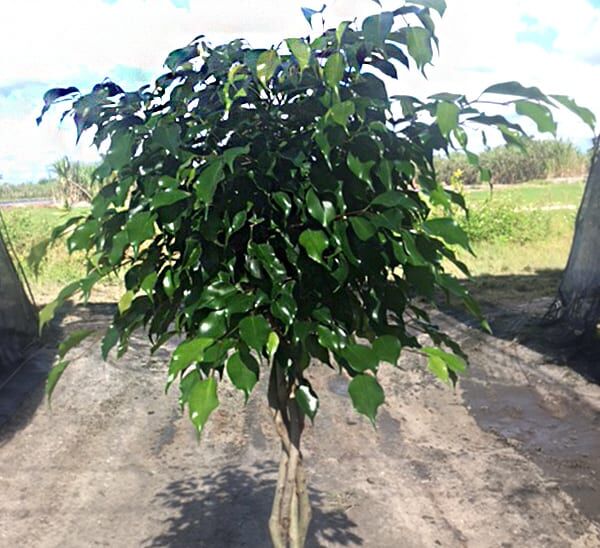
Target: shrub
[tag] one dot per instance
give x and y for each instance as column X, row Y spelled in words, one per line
column 509, row 165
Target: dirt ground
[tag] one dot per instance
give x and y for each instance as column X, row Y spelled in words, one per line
column 511, row 458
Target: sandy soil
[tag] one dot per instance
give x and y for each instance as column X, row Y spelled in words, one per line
column 510, row 458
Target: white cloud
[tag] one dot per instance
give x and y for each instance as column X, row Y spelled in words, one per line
column 68, row 41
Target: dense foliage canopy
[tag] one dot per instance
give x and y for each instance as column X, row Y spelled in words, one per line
column 272, row 204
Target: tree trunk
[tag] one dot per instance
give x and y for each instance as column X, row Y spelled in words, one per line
column 291, row 513
column 578, row 302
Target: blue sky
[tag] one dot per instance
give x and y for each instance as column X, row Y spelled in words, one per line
column 78, row 42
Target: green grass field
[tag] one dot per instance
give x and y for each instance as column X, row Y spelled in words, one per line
column 518, row 230
column 522, row 229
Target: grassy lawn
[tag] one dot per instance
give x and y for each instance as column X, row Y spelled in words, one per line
column 29, row 225
column 517, row 230
column 536, row 194
column 521, row 229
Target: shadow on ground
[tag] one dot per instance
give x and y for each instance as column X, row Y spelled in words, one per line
column 231, row 506
column 22, row 387
column 516, row 306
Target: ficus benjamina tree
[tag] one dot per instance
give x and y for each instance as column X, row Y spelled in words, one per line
column 271, row 211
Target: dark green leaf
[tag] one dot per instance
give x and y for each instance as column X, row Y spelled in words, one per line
column 231, row 154
column 254, row 331
column 341, row 112
column 387, row 349
column 314, row 242
column 363, row 228
column 202, row 401
column 516, row 89
column 360, row 357
column 243, row 371
column 367, row 395
column 448, row 230
column 140, row 227
column 169, row 197
column 307, row 400
column 213, row 326
column 395, row 198
column 208, row 180
column 377, row 27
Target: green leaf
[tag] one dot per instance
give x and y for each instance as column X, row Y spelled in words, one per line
column 367, row 395
column 168, row 197
column 266, row 65
column 540, row 114
column 419, row 45
column 284, row 308
column 167, row 135
column 448, row 230
column 47, row 313
column 455, row 363
column 447, row 117
column 37, row 254
column 243, row 370
column 324, row 212
column 438, row 5
column 272, row 344
column 284, row 202
column 395, row 198
column 254, row 331
column 516, row 89
column 54, row 375
column 140, row 227
column 300, row 50
column 110, row 339
column 334, row 69
column 73, row 340
column 387, row 348
column 231, row 154
column 125, row 302
column 363, row 228
column 329, row 339
column 214, row 325
column 208, row 180
column 377, row 27
column 438, row 367
column 314, row 242
column 187, row 353
column 307, row 399
column 361, row 169
column 202, row 401
column 586, row 115
column 340, row 31
column 169, row 284
column 119, row 152
column 360, row 357
column 341, row 112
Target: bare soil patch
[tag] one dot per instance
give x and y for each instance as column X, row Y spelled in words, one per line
column 509, row 458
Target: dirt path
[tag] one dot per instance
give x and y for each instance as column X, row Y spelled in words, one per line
column 508, row 459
